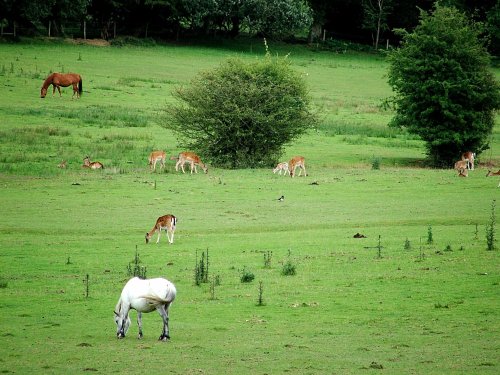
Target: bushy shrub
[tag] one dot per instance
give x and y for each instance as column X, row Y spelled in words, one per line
column 241, row 113
column 444, row 89
column 246, row 276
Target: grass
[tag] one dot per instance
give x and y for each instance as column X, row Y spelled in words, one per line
column 344, row 311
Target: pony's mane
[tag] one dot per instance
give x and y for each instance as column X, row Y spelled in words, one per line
column 48, row 80
column 118, row 306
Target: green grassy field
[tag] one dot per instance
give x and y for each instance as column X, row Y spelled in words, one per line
column 427, row 309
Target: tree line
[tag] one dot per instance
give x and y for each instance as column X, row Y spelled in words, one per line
column 366, row 21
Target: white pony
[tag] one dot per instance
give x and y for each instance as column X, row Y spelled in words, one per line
column 144, row 296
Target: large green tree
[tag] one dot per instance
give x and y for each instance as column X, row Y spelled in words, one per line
column 444, row 89
column 241, row 114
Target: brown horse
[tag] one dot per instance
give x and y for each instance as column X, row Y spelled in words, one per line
column 62, row 79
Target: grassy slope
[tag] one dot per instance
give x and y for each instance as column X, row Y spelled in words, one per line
column 345, row 310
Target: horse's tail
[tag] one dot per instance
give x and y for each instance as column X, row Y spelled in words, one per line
column 80, row 87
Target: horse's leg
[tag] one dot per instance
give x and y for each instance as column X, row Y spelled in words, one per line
column 124, row 318
column 53, row 89
column 59, row 89
column 163, row 311
column 75, row 91
column 139, row 323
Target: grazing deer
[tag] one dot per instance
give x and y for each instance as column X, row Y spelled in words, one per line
column 191, row 158
column 63, row 164
column 469, row 158
column 461, row 167
column 297, row 162
column 281, row 167
column 490, row 173
column 91, row 165
column 167, row 223
column 157, row 156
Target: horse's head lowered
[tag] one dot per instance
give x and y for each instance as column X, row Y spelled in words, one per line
column 122, row 325
column 43, row 92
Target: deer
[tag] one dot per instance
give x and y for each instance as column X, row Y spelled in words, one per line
column 469, row 158
column 191, row 158
column 166, row 223
column 157, row 156
column 63, row 164
column 281, row 167
column 297, row 162
column 92, row 165
column 461, row 167
column 490, row 173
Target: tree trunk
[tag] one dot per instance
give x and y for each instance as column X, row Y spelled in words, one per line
column 235, row 29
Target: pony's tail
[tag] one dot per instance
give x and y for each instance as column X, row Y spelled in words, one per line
column 80, row 87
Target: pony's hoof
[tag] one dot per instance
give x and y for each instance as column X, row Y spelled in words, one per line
column 164, row 338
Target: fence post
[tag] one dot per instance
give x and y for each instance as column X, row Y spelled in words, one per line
column 84, row 30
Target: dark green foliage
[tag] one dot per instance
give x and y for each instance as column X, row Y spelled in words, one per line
column 490, row 228
column 429, row 235
column 267, row 259
column 441, row 306
column 246, row 276
column 260, row 300
column 375, row 163
column 444, row 90
column 407, row 245
column 136, row 270
column 288, row 269
column 86, row 283
column 241, row 114
column 201, row 269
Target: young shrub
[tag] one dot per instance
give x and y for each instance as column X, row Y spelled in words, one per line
column 241, row 114
column 375, row 163
column 288, row 267
column 407, row 245
column 260, row 300
column 267, row 259
column 490, row 228
column 201, row 269
column 246, row 276
column 430, row 240
column 136, row 270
